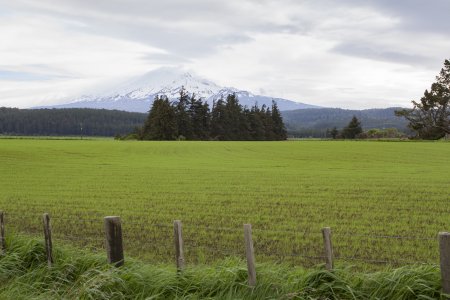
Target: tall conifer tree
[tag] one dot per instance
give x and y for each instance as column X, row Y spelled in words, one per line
column 278, row 126
column 184, row 125
column 200, row 118
column 161, row 123
column 218, row 121
column 352, row 129
column 228, row 120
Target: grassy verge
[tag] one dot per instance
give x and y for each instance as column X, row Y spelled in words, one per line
column 82, row 275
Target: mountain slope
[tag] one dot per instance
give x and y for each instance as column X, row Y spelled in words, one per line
column 137, row 94
column 315, row 122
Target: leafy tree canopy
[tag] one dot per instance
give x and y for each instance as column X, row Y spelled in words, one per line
column 430, row 117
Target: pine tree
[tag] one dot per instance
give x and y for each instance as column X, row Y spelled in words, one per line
column 218, row 122
column 161, row 123
column 430, row 117
column 353, row 129
column 227, row 120
column 279, row 129
column 256, row 120
column 244, row 125
column 233, row 118
column 205, row 117
column 184, row 125
column 334, row 133
column 268, row 125
column 200, row 118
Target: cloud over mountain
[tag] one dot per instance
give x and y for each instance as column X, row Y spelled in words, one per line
column 354, row 54
column 137, row 94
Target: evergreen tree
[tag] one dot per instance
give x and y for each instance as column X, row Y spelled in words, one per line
column 205, row 117
column 184, row 124
column 218, row 121
column 161, row 123
column 227, row 120
column 353, row 129
column 200, row 118
column 256, row 121
column 233, row 118
column 279, row 129
column 244, row 125
column 334, row 133
column 268, row 124
column 430, row 117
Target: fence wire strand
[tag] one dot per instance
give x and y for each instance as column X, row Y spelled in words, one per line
column 92, row 236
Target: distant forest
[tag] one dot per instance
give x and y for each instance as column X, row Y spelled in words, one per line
column 318, row 122
column 69, row 122
column 102, row 122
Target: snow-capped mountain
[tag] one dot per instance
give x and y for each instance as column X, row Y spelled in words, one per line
column 137, row 94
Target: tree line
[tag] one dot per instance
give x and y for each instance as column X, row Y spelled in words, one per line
column 68, row 121
column 318, row 122
column 354, row 130
column 189, row 118
column 351, row 131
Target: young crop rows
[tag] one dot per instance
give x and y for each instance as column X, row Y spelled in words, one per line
column 384, row 201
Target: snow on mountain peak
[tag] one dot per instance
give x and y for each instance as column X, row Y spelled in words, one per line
column 138, row 93
column 167, row 81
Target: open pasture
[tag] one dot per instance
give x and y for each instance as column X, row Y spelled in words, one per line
column 385, row 201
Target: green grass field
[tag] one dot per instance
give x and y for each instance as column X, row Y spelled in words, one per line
column 385, row 201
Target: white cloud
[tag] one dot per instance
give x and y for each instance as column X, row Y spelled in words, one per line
column 352, row 54
column 68, row 60
column 313, row 75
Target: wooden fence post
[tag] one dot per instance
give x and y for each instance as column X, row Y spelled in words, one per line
column 326, row 232
column 250, row 255
column 114, row 245
column 2, row 233
column 178, row 245
column 48, row 238
column 444, row 249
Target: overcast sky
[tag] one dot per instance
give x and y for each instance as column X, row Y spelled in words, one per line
column 346, row 53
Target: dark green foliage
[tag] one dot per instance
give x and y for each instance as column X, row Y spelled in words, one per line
column 430, row 117
column 388, row 133
column 279, row 129
column 228, row 120
column 218, row 121
column 314, row 122
column 235, row 122
column 333, row 133
column 268, row 124
column 67, row 121
column 161, row 123
column 199, row 119
column 256, row 119
column 352, row 130
column 183, row 118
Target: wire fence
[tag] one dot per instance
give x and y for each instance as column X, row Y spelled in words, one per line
column 154, row 241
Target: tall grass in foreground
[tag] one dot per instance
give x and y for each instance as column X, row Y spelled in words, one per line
column 78, row 274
